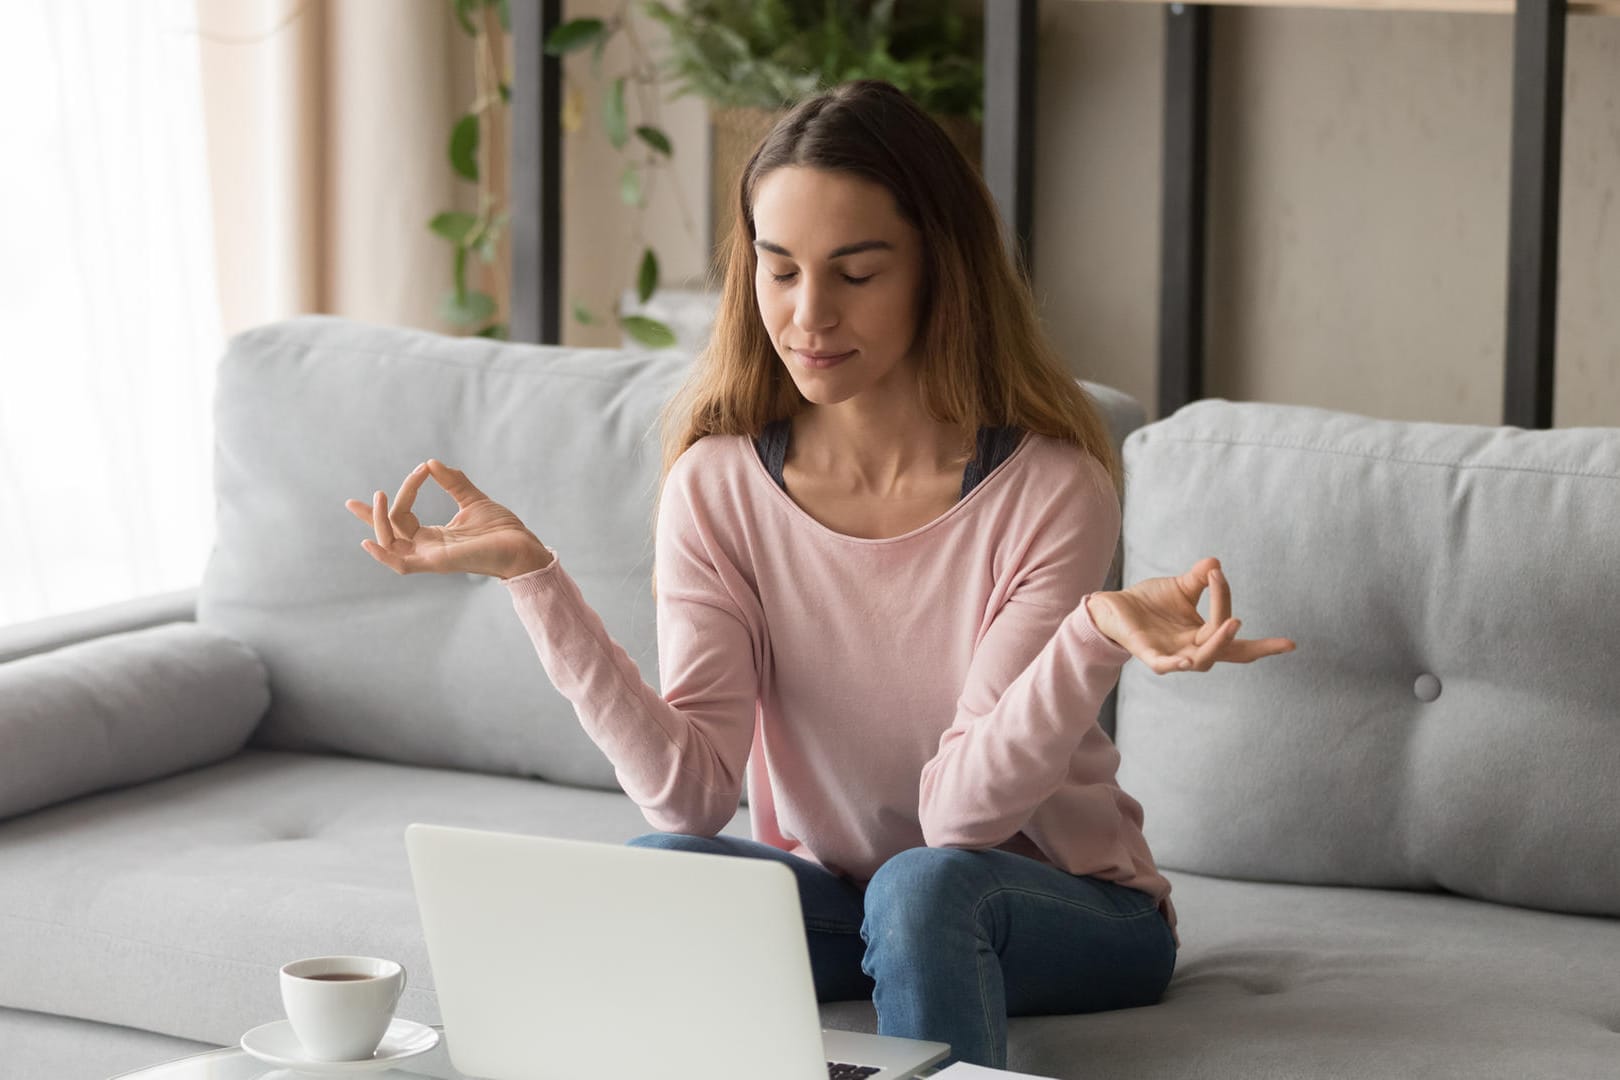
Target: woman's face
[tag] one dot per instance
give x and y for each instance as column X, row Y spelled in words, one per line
column 839, row 273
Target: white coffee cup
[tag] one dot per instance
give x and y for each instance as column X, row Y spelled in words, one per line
column 340, row 1006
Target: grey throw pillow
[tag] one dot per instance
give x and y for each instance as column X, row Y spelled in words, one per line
column 123, row 709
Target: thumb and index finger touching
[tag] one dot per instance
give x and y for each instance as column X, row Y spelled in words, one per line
column 1207, row 573
column 386, row 520
column 453, row 481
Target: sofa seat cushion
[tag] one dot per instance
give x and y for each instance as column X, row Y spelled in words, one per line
column 170, row 906
column 1295, row 982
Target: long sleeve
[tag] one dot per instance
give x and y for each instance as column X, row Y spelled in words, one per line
column 1034, row 686
column 679, row 755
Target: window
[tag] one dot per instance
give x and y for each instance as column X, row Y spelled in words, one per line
column 109, row 324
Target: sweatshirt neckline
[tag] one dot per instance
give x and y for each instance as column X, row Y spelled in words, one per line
column 801, row 515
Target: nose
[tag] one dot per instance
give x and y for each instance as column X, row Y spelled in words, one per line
column 813, row 308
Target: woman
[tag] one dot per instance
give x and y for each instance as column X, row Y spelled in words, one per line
column 885, row 516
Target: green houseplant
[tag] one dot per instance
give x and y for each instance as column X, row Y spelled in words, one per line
column 477, row 234
column 750, row 59
column 768, row 54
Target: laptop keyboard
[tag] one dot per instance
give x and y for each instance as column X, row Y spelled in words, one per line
column 841, row 1070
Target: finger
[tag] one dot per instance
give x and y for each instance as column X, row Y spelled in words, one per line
column 379, row 521
column 400, row 564
column 455, row 482
column 359, row 510
column 1165, row 663
column 1220, row 597
column 1193, row 580
column 1210, row 651
column 1247, row 652
column 407, row 494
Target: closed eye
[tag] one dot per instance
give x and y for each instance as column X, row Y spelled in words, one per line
column 781, row 278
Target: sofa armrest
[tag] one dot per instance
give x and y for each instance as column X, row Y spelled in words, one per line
column 42, row 635
column 123, row 709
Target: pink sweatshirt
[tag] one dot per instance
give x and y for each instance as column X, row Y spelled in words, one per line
column 939, row 688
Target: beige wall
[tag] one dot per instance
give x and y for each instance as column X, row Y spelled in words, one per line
column 1358, row 214
column 1358, row 207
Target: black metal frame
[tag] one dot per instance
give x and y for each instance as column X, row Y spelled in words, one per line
column 1538, row 140
column 535, row 181
column 1183, row 201
column 1009, row 169
column 1008, row 138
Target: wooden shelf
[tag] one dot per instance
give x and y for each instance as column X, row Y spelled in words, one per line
column 1472, row 7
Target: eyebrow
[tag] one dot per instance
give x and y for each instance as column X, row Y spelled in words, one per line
column 836, row 253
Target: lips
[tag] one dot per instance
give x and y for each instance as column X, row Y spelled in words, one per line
column 822, row 360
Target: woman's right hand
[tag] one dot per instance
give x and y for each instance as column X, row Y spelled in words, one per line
column 483, row 538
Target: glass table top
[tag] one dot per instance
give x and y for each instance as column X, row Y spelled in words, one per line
column 234, row 1063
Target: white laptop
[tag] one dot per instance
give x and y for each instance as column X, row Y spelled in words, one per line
column 570, row 959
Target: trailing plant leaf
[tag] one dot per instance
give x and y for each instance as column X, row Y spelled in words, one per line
column 655, row 139
column 649, row 332
column 630, row 186
column 454, row 225
column 582, row 314
column 647, row 279
column 464, row 147
column 472, row 310
column 614, row 120
column 574, row 34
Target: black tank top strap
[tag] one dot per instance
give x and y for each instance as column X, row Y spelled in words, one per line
column 995, row 445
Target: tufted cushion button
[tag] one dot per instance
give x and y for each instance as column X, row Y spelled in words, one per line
column 1427, row 687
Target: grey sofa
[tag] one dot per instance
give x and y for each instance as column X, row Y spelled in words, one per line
column 1394, row 852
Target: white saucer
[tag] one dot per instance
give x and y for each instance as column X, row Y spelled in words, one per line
column 276, row 1044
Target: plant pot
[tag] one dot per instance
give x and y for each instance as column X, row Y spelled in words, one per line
column 736, row 131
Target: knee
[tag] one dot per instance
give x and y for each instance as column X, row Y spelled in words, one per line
column 921, row 888
column 672, row 841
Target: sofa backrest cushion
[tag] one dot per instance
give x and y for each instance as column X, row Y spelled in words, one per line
column 423, row 668
column 428, row 669
column 1448, row 720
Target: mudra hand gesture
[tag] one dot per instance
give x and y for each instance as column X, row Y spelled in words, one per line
column 483, row 538
column 1158, row 621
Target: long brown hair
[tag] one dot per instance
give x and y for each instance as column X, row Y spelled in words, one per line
column 984, row 359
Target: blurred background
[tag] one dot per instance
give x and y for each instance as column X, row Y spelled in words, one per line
column 180, row 170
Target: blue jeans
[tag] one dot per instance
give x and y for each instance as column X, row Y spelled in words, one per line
column 948, row 943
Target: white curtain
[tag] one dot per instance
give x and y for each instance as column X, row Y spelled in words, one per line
column 109, row 323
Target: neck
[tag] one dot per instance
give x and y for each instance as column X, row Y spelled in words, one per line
column 870, row 448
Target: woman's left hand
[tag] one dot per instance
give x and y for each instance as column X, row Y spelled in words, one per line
column 1157, row 620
